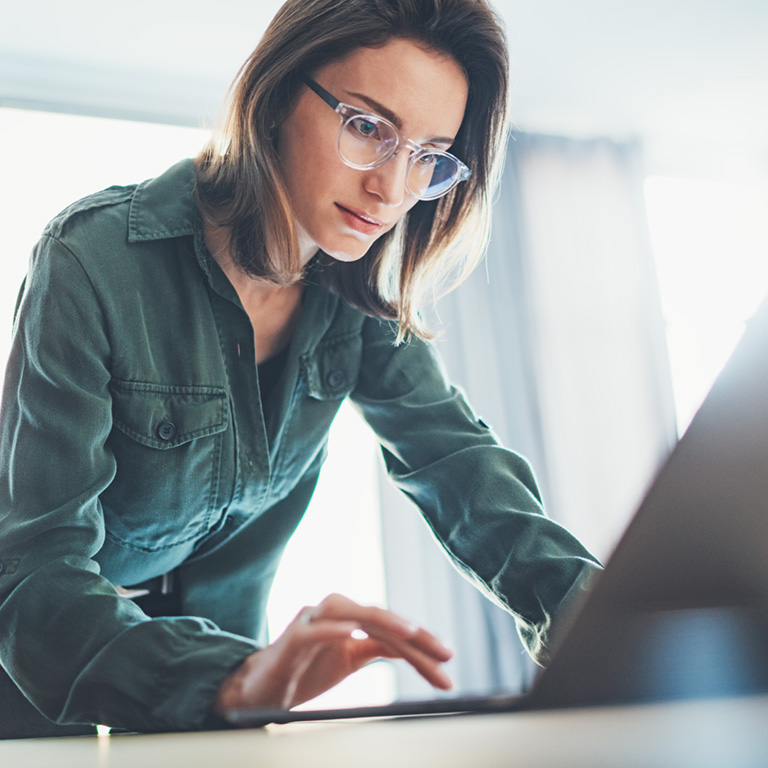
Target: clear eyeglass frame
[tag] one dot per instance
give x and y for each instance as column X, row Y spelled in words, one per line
column 347, row 113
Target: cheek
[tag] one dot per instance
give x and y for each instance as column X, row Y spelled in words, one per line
column 301, row 158
column 311, row 173
column 408, row 204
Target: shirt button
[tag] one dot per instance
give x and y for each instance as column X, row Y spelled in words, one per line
column 335, row 379
column 166, row 430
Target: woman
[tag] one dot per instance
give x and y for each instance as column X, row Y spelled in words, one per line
column 182, row 347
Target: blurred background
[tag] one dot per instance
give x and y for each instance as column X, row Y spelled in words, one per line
column 629, row 248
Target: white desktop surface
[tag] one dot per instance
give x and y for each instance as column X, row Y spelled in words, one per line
column 724, row 732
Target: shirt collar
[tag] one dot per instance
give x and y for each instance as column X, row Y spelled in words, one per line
column 164, row 207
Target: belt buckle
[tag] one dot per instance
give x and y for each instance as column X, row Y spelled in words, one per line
column 160, row 584
column 131, row 592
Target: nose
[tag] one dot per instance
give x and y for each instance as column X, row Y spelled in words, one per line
column 388, row 181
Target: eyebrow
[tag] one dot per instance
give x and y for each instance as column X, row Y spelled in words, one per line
column 395, row 120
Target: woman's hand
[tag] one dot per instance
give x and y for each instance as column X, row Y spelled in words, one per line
column 323, row 645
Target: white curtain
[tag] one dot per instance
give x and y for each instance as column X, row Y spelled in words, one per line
column 558, row 341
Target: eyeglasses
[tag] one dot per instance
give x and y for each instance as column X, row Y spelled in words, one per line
column 368, row 141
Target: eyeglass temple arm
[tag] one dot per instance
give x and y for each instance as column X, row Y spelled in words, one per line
column 332, row 101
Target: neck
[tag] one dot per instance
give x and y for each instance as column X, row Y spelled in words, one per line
column 272, row 309
column 217, row 239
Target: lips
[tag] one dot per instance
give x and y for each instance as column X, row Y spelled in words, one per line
column 359, row 220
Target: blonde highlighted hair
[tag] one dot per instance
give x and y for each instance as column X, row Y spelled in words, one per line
column 437, row 243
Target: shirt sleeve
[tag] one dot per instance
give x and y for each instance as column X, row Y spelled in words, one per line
column 76, row 649
column 479, row 499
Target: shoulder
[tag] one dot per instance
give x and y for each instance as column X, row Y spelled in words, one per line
column 124, row 231
column 90, row 236
column 153, row 211
column 76, row 239
column 108, row 206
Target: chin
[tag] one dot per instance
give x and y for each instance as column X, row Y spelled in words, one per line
column 348, row 255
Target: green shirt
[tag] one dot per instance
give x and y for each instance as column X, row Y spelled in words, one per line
column 133, row 441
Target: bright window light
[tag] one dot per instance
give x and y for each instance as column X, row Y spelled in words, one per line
column 710, row 242
column 51, row 160
column 337, row 548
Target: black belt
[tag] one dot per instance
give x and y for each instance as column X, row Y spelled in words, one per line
column 157, row 597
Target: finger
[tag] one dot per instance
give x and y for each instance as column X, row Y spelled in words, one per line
column 374, row 619
column 305, row 633
column 430, row 669
column 301, row 667
column 276, row 673
column 303, row 616
column 378, row 623
column 428, row 643
column 417, row 646
column 340, row 607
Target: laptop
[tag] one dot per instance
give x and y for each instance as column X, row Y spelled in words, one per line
column 681, row 610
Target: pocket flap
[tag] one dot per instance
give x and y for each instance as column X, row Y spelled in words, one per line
column 333, row 367
column 164, row 417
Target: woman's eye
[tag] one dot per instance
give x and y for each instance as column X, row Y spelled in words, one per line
column 365, row 128
column 428, row 159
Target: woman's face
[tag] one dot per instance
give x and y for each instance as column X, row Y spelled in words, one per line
column 342, row 210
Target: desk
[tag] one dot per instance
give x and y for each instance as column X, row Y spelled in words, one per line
column 725, row 732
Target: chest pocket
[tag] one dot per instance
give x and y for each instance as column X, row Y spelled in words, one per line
column 170, row 444
column 332, row 369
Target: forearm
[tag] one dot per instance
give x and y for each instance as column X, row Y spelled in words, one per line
column 494, row 530
column 480, row 499
column 82, row 654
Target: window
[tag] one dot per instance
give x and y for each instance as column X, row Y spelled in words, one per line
column 50, row 160
column 710, row 242
column 337, row 548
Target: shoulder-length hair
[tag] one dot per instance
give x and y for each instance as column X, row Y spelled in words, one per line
column 437, row 243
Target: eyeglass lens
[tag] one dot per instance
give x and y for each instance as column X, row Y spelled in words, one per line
column 366, row 141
